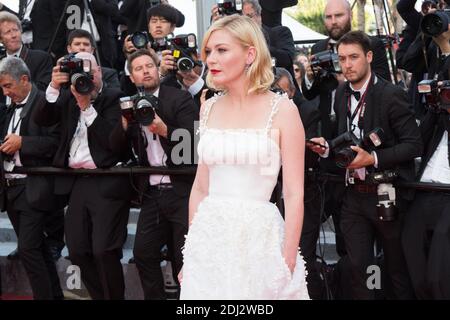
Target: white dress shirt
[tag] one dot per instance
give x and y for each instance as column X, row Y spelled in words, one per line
column 15, row 122
column 79, row 154
column 155, row 154
column 438, row 169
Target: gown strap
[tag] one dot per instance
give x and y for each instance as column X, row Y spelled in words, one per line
column 275, row 106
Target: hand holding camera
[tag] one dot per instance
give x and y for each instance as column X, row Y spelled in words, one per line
column 58, row 78
column 362, row 159
column 11, row 144
column 317, row 145
column 168, row 63
column 188, row 77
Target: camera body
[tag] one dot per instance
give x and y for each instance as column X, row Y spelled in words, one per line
column 328, row 61
column 27, row 25
column 80, row 73
column 181, row 46
column 435, row 23
column 340, row 145
column 437, row 93
column 2, row 51
column 139, row 108
column 229, row 7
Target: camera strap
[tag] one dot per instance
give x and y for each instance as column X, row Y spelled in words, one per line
column 361, row 106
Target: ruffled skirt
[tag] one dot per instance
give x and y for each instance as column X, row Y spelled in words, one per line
column 234, row 251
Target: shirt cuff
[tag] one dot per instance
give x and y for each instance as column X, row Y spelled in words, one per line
column 327, row 151
column 196, row 87
column 374, row 154
column 51, row 94
column 308, row 83
column 89, row 115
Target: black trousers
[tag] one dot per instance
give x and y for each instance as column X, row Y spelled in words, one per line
column 163, row 220
column 54, row 229
column 28, row 223
column 426, row 244
column 360, row 225
column 96, row 229
column 309, row 237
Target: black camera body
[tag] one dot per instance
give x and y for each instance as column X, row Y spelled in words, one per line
column 328, row 61
column 139, row 108
column 181, row 46
column 435, row 23
column 2, row 51
column 340, row 145
column 80, row 73
column 437, row 93
column 27, row 25
column 229, row 7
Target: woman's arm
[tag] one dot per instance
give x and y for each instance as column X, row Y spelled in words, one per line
column 199, row 190
column 292, row 145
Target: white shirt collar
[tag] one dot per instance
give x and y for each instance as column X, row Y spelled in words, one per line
column 17, row 53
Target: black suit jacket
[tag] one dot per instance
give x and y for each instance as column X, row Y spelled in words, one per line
column 39, row 145
column 325, row 87
column 102, row 12
column 66, row 112
column 110, row 78
column 276, row 5
column 45, row 16
column 40, row 65
column 387, row 107
column 178, row 110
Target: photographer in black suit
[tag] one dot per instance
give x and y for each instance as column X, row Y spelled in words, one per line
column 28, row 199
column 367, row 107
column 38, row 62
column 98, row 206
column 45, row 17
column 272, row 10
column 164, row 210
column 80, row 40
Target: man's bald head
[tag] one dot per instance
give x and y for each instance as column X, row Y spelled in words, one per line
column 95, row 69
column 338, row 18
column 87, row 56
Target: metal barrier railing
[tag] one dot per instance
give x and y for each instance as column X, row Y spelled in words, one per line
column 120, row 170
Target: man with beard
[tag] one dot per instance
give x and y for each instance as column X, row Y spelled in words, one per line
column 364, row 105
column 337, row 20
column 164, row 198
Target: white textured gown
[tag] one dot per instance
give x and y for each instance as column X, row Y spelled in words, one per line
column 234, row 246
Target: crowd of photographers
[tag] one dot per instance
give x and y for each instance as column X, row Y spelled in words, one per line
column 125, row 89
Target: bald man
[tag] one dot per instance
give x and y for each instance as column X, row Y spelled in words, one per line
column 98, row 206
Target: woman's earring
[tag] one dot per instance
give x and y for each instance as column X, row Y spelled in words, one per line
column 247, row 67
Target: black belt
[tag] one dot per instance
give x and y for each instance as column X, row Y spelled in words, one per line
column 16, row 182
column 161, row 186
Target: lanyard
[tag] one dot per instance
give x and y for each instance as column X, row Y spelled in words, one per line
column 361, row 105
column 15, row 126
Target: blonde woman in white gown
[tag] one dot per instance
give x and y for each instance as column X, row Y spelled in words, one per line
column 238, row 245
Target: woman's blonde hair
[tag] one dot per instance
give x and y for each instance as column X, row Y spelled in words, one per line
column 249, row 34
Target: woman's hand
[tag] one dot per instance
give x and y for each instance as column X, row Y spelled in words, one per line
column 180, row 276
column 291, row 259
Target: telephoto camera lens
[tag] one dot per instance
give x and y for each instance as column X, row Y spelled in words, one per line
column 436, row 23
column 145, row 113
column 139, row 40
column 82, row 83
column 185, row 64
